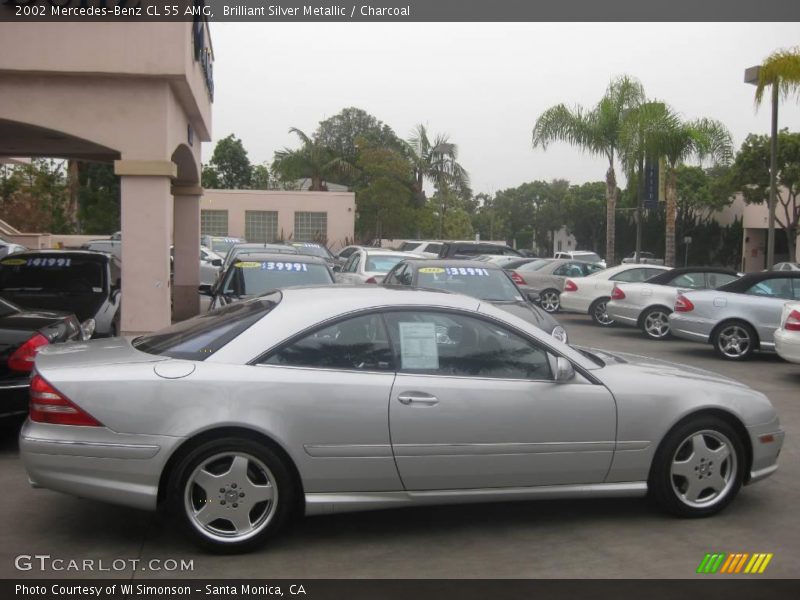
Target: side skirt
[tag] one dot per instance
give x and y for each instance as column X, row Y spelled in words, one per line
column 340, row 502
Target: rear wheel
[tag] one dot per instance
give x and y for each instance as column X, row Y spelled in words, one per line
column 698, row 469
column 655, row 323
column 232, row 494
column 735, row 341
column 599, row 313
column 550, row 300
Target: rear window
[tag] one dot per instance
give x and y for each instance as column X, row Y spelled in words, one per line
column 492, row 285
column 250, row 278
column 312, row 250
column 409, row 246
column 381, row 263
column 53, row 272
column 200, row 337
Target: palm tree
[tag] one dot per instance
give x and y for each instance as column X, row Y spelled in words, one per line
column 781, row 69
column 596, row 131
column 312, row 160
column 675, row 140
column 435, row 161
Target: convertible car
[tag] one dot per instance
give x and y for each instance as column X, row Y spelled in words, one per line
column 348, row 398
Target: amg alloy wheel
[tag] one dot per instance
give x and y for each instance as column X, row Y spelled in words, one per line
column 735, row 341
column 599, row 313
column 655, row 323
column 550, row 301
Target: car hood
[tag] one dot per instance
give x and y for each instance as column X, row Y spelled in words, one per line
column 104, row 351
column 525, row 311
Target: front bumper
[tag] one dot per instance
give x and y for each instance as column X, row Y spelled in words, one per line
column 689, row 328
column 95, row 462
column 623, row 312
column 14, row 397
column 787, row 345
column 766, row 440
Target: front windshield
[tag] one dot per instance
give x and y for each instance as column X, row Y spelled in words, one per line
column 381, row 263
column 492, row 285
column 76, row 274
column 250, row 278
column 222, row 245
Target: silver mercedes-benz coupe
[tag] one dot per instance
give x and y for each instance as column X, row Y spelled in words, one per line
column 328, row 399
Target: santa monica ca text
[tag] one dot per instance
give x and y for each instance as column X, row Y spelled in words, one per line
column 129, row 589
column 276, row 10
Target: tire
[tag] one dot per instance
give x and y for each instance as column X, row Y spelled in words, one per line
column 735, row 340
column 550, row 300
column 655, row 323
column 698, row 469
column 228, row 475
column 598, row 313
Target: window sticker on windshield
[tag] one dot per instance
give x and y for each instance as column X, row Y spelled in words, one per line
column 418, row 348
column 13, row 262
column 248, row 265
column 283, row 266
column 431, row 270
column 39, row 262
column 468, row 271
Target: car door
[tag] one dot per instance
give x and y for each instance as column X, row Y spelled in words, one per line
column 474, row 405
column 762, row 306
column 333, row 387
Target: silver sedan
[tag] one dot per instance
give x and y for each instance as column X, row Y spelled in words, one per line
column 379, row 398
column 739, row 318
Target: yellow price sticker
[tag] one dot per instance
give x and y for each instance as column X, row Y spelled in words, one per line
column 431, row 270
column 248, row 265
column 13, row 262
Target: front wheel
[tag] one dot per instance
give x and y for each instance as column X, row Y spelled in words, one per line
column 550, row 301
column 735, row 341
column 599, row 313
column 232, row 494
column 698, row 469
column 655, row 323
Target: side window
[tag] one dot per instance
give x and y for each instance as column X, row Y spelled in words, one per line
column 694, row 281
column 346, row 252
column 359, row 343
column 433, row 248
column 405, row 276
column 447, row 344
column 562, row 270
column 796, row 283
column 630, row 276
column 714, row 280
column 352, row 264
column 773, row 288
column 652, row 273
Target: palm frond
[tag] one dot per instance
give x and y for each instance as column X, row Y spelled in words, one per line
column 782, row 68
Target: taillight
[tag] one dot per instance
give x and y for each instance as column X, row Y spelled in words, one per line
column 683, row 304
column 371, row 280
column 22, row 360
column 517, row 278
column 48, row 405
column 570, row 286
column 617, row 294
column 792, row 321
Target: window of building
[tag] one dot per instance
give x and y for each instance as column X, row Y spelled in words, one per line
column 260, row 225
column 310, row 226
column 213, row 222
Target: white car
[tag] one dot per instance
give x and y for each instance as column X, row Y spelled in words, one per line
column 590, row 294
column 370, row 265
column 582, row 255
column 429, row 249
column 787, row 336
column 647, row 305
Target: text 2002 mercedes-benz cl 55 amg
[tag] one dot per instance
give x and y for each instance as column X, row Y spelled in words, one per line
column 353, row 398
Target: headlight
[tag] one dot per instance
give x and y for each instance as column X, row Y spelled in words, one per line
column 560, row 334
column 87, row 329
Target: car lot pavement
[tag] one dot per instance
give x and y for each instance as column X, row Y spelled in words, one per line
column 557, row 539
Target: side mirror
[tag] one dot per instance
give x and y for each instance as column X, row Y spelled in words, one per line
column 217, row 262
column 564, row 370
column 205, row 290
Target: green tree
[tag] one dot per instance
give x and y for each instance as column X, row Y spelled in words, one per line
column 229, row 167
column 435, row 161
column 781, row 69
column 583, row 214
column 38, row 199
column 597, row 131
column 750, row 174
column 98, row 198
column 261, row 179
column 313, row 160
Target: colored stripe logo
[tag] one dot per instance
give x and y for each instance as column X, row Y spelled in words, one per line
column 733, row 563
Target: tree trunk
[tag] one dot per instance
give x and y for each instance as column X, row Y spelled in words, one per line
column 672, row 195
column 73, row 186
column 611, row 210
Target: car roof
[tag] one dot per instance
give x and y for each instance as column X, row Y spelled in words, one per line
column 60, row 252
column 275, row 256
column 750, row 279
column 366, row 296
column 671, row 274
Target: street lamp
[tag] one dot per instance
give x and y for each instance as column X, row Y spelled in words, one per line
column 751, row 77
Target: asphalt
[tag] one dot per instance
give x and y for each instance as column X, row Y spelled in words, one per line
column 544, row 539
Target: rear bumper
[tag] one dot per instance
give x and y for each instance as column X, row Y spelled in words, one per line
column 626, row 314
column 14, row 397
column 787, row 345
column 95, row 462
column 696, row 330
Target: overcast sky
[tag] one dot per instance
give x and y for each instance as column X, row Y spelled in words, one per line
column 483, row 84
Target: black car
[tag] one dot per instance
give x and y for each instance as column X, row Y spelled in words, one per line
column 22, row 334
column 253, row 273
column 482, row 280
column 82, row 282
column 472, row 249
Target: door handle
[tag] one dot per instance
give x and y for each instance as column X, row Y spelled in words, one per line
column 420, row 398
